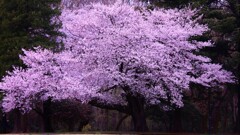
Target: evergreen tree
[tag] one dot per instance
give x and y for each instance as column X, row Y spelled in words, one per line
column 25, row 24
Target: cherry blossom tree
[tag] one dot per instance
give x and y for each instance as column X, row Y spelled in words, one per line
column 117, row 57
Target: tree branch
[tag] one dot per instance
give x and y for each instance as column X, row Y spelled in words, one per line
column 38, row 111
column 118, row 107
column 120, row 122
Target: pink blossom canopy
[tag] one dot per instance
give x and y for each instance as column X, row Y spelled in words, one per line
column 111, row 47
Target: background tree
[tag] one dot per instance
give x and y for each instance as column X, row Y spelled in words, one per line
column 25, row 24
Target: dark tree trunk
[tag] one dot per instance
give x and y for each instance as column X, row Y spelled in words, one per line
column 237, row 125
column 17, row 121
column 177, row 120
column 4, row 124
column 170, row 126
column 106, row 119
column 136, row 107
column 238, row 117
column 24, row 123
column 47, row 112
column 209, row 112
column 204, row 123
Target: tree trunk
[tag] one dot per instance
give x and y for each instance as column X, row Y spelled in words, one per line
column 47, row 116
column 209, row 113
column 4, row 124
column 136, row 107
column 17, row 121
column 237, row 125
column 24, row 123
column 238, row 117
column 177, row 120
column 204, row 123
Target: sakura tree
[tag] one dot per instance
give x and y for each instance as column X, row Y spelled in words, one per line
column 118, row 57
